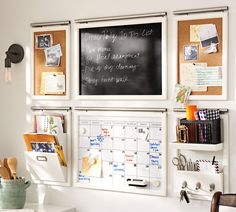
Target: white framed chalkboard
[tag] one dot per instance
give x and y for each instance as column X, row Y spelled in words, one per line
column 122, row 59
column 111, row 148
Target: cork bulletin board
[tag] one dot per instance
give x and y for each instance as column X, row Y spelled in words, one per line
column 209, row 54
column 50, row 61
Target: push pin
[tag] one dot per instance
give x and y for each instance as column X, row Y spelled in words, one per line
column 198, row 186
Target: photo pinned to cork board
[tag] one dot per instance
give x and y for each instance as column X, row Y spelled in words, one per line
column 50, row 62
column 202, row 54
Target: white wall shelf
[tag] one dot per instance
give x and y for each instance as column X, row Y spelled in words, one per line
column 198, row 147
column 198, row 151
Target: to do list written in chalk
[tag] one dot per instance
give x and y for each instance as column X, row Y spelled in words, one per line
column 121, row 60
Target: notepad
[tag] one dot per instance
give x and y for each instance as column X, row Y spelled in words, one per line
column 49, row 124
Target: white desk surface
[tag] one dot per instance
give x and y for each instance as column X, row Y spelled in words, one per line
column 32, row 207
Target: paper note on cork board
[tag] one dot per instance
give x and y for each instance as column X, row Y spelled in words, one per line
column 194, row 36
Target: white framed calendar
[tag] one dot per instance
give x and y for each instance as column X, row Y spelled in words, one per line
column 120, row 151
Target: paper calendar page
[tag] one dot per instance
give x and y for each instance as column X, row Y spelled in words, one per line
column 113, row 150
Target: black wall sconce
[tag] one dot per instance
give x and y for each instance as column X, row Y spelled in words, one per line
column 14, row 54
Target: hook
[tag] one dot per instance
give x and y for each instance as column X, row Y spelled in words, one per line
column 184, row 184
column 198, row 186
column 212, row 187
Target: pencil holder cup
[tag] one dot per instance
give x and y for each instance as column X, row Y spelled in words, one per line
column 190, row 109
column 13, row 193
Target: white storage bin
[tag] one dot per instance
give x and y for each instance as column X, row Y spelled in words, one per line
column 46, row 167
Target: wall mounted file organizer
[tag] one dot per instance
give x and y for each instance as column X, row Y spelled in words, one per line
column 120, row 149
column 48, row 157
column 50, row 60
column 211, row 172
column 114, row 54
column 201, row 47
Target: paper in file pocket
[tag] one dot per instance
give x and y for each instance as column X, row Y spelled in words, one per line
column 37, row 143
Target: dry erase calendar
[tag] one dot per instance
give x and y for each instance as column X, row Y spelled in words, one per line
column 121, row 151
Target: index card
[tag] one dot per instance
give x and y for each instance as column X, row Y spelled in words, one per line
column 130, row 144
column 208, row 76
column 54, row 84
column 143, row 157
column 186, row 78
column 118, row 144
column 118, row 156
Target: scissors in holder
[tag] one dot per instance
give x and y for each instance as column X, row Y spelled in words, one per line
column 180, row 161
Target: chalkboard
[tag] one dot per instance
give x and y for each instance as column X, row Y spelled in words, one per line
column 121, row 60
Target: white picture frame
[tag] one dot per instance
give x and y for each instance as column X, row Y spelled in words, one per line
column 105, row 115
column 30, row 88
column 224, row 16
column 123, row 22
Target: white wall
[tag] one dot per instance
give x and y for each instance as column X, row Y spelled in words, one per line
column 15, row 19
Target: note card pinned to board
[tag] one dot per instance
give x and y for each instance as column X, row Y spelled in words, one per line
column 186, row 73
column 194, row 30
column 53, row 83
column 92, row 164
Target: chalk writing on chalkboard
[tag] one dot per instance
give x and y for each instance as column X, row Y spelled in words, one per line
column 121, row 60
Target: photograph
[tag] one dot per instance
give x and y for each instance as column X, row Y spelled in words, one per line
column 44, row 41
column 53, row 55
column 191, row 52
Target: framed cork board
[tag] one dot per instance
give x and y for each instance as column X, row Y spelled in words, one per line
column 51, row 48
column 202, row 54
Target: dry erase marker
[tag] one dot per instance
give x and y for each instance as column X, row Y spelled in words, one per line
column 137, row 182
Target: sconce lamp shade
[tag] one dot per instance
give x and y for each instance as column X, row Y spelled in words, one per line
column 15, row 54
